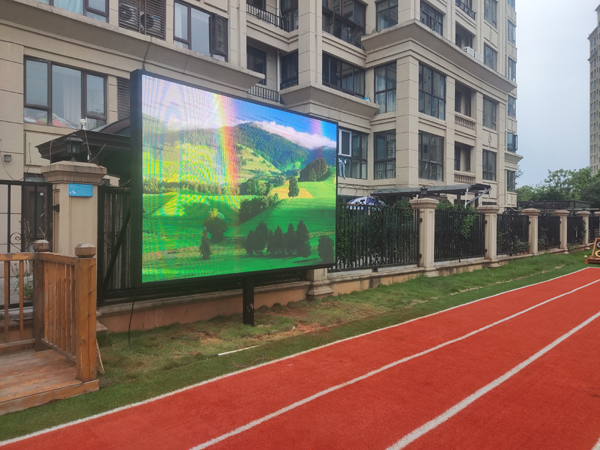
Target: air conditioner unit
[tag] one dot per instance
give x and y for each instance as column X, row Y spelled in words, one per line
column 150, row 23
column 128, row 15
column 470, row 51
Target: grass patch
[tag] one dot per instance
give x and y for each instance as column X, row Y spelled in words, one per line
column 169, row 358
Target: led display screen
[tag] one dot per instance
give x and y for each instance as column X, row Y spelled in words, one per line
column 230, row 186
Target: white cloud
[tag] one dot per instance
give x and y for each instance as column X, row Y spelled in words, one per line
column 306, row 140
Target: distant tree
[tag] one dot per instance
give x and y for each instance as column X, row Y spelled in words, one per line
column 216, row 226
column 273, row 199
column 270, row 244
column 268, row 187
column 316, row 170
column 302, row 237
column 252, row 208
column 294, row 190
column 325, row 249
column 261, row 234
column 249, row 243
column 592, row 194
column 205, row 246
column 278, row 243
column 289, row 240
column 253, row 187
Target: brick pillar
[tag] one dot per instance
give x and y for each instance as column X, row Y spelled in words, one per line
column 533, row 229
column 75, row 217
column 320, row 286
column 491, row 232
column 563, row 214
column 586, row 221
column 426, row 208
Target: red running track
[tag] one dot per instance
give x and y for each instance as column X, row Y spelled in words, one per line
column 373, row 390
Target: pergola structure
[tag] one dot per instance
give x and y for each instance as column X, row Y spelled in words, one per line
column 392, row 195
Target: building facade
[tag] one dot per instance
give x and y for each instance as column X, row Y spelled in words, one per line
column 424, row 91
column 594, row 39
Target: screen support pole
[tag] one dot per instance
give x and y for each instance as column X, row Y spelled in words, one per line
column 248, row 299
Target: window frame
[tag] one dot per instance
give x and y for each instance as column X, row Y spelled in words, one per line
column 87, row 9
column 490, row 12
column 49, row 107
column 487, row 50
column 512, row 107
column 292, row 12
column 339, row 16
column 515, row 142
column 511, row 33
column 289, row 81
column 332, row 59
column 363, row 163
column 511, row 183
column 263, row 53
column 212, row 31
column 511, row 3
column 386, row 106
column 386, row 12
column 511, row 70
column 494, row 114
column 429, row 11
column 423, row 93
column 429, row 162
column 386, row 160
column 486, row 162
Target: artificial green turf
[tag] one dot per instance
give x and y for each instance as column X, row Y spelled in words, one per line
column 162, row 370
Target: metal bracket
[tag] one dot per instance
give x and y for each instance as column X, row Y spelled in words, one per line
column 56, row 208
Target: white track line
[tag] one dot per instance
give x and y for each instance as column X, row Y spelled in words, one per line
column 416, row 434
column 597, row 446
column 212, row 380
column 288, row 408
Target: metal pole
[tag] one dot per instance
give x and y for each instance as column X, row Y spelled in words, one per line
column 248, row 301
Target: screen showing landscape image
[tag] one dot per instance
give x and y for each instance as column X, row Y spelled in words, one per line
column 232, row 187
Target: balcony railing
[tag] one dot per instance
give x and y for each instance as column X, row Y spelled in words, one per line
column 467, row 9
column 464, row 179
column 267, row 94
column 289, row 83
column 268, row 17
column 463, row 122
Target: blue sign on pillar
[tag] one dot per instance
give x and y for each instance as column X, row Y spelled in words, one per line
column 81, row 190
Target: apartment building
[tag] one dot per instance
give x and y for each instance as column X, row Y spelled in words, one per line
column 424, row 91
column 594, row 39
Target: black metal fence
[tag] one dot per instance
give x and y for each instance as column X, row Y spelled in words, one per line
column 548, row 232
column 369, row 237
column 459, row 235
column 268, row 17
column 267, row 94
column 575, row 230
column 513, row 234
column 594, row 229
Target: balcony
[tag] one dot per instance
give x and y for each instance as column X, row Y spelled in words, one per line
column 268, row 17
column 264, row 93
column 467, row 9
column 464, row 179
column 464, row 122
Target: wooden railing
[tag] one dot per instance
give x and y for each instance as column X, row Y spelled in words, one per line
column 64, row 305
column 15, row 262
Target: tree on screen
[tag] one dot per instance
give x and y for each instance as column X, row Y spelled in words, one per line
column 302, row 237
column 326, row 248
column 216, row 226
column 290, row 240
column 205, row 246
column 294, row 190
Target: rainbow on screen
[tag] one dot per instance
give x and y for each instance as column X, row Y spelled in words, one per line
column 231, row 186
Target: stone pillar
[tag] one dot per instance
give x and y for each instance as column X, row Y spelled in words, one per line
column 320, row 286
column 585, row 215
column 75, row 217
column 563, row 214
column 533, row 229
column 491, row 232
column 426, row 208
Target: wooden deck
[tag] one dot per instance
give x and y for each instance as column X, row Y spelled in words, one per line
column 30, row 378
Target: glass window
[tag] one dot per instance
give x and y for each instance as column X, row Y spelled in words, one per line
column 431, row 157
column 385, row 155
column 512, row 33
column 345, row 20
column 385, row 88
column 96, row 9
column 289, row 12
column 463, row 37
column 489, row 165
column 512, row 142
column 511, row 181
column 457, row 158
column 490, row 12
column 489, row 114
column 432, row 18
column 353, row 154
column 257, row 61
column 200, row 31
column 512, row 70
column 62, row 96
column 511, row 3
column 289, row 70
column 512, row 107
column 345, row 77
column 387, row 14
column 144, row 16
column 490, row 57
column 432, row 92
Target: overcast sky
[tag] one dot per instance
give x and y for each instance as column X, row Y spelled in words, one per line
column 553, row 78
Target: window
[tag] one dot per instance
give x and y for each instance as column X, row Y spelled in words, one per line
column 511, row 181
column 431, row 157
column 385, row 155
column 512, row 70
column 345, row 19
column 463, row 37
column 489, row 114
column 511, row 3
column 462, row 158
column 343, row 76
column 200, row 31
column 512, row 142
column 61, row 96
column 257, row 61
column 144, row 16
column 512, row 33
column 96, row 9
column 490, row 12
column 260, row 4
column 289, row 12
column 387, row 14
column 462, row 96
column 457, row 158
column 385, row 88
column 467, row 7
column 289, row 70
column 489, row 165
column 432, row 92
column 353, row 153
column 123, row 98
column 512, row 107
column 432, row 18
column 490, row 57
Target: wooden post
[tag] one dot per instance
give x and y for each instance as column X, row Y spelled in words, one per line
column 85, row 312
column 38, row 295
